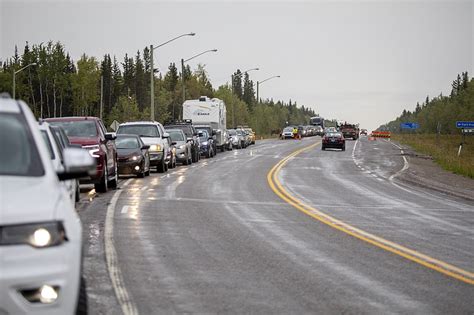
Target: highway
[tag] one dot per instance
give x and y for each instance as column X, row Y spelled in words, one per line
column 281, row 227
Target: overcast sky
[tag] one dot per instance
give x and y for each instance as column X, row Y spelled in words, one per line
column 356, row 61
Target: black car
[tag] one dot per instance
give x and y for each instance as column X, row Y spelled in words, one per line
column 211, row 133
column 133, row 155
column 334, row 140
column 191, row 135
column 207, row 144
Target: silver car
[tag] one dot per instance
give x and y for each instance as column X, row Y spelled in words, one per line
column 183, row 147
column 237, row 138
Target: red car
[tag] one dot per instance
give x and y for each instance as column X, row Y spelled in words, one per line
column 91, row 134
column 334, row 140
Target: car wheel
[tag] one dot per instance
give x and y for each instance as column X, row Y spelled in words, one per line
column 114, row 182
column 161, row 167
column 102, row 185
column 82, row 305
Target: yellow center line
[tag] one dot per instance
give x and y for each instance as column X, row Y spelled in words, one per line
column 410, row 254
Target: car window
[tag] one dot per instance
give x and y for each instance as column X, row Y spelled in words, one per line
column 127, row 143
column 176, row 135
column 139, row 130
column 78, row 128
column 19, row 155
column 232, row 132
column 46, row 139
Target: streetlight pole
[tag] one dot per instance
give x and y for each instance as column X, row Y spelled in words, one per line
column 232, row 90
column 14, row 77
column 260, row 82
column 152, row 73
column 182, row 72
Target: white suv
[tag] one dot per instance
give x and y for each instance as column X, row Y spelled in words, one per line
column 40, row 232
column 153, row 134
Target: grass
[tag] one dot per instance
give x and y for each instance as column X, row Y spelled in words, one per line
column 444, row 151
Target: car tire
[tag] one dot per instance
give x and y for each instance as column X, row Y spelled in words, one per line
column 114, row 182
column 82, row 304
column 101, row 186
column 161, row 167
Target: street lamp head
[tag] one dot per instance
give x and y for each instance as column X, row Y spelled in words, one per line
column 192, row 34
column 214, row 50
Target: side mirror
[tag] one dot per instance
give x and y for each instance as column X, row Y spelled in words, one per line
column 77, row 163
column 200, row 133
column 166, row 135
column 214, row 132
column 211, row 138
column 110, row 136
column 174, row 143
column 145, row 147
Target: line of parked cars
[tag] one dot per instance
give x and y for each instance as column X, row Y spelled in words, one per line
column 293, row 132
column 42, row 164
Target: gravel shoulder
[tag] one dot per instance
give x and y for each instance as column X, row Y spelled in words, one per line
column 424, row 172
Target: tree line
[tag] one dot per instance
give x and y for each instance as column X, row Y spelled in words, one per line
column 57, row 86
column 439, row 114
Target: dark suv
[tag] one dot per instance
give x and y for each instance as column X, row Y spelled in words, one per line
column 191, row 135
column 90, row 133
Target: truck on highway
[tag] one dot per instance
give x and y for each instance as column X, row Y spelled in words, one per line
column 208, row 112
column 318, row 121
column 349, row 130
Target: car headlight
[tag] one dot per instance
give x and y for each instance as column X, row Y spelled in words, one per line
column 155, row 147
column 204, row 143
column 134, row 158
column 38, row 235
column 93, row 150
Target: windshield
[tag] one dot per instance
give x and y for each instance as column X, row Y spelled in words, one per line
column 176, row 135
column 204, row 136
column 18, row 154
column 139, row 130
column 232, row 132
column 186, row 129
column 127, row 143
column 78, row 128
column 288, row 129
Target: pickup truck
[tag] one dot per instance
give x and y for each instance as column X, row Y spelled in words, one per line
column 349, row 131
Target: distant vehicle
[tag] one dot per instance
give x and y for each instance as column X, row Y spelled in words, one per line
column 287, row 133
column 183, row 146
column 191, row 136
column 251, row 134
column 56, row 153
column 206, row 111
column 212, row 134
column 349, row 131
column 207, row 144
column 363, row 132
column 92, row 135
column 228, row 141
column 333, row 140
column 318, row 131
column 330, row 129
column 153, row 134
column 41, row 234
column 133, row 155
column 317, row 121
column 236, row 138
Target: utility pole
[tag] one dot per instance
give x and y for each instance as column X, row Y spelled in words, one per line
column 101, row 96
column 152, row 86
column 182, row 83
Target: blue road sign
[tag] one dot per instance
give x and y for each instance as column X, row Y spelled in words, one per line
column 464, row 124
column 409, row 125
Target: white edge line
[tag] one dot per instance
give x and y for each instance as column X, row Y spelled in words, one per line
column 406, row 165
column 127, row 305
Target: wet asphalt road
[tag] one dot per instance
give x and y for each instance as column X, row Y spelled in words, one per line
column 214, row 238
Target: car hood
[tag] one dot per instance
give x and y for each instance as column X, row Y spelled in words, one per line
column 42, row 197
column 84, row 141
column 127, row 152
